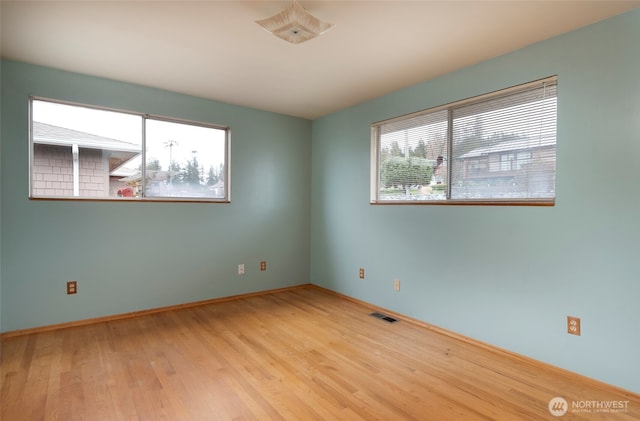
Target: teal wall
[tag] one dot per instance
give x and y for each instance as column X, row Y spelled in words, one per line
column 1, row 65
column 134, row 256
column 508, row 276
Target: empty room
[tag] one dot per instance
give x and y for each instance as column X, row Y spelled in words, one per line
column 292, row 210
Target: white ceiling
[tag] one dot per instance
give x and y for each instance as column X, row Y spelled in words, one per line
column 213, row 49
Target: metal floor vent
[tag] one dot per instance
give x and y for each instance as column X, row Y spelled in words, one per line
column 384, row 317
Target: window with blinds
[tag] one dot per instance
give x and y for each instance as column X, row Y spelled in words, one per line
column 498, row 148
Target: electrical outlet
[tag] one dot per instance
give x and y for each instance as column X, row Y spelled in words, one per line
column 263, row 265
column 361, row 273
column 241, row 269
column 72, row 287
column 573, row 325
column 396, row 284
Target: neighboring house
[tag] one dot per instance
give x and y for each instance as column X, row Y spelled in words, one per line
column 72, row 163
column 505, row 161
column 157, row 181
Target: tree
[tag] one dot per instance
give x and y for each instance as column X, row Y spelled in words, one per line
column 221, row 173
column 420, row 151
column 212, row 177
column 468, row 136
column 395, row 149
column 174, row 173
column 402, row 172
column 153, row 164
column 437, row 146
column 190, row 174
column 501, row 137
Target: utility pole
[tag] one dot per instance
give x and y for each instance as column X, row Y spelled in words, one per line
column 170, row 144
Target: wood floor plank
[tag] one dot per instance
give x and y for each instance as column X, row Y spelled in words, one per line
column 302, row 354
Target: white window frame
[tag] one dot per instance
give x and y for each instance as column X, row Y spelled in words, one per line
column 519, row 157
column 226, row 198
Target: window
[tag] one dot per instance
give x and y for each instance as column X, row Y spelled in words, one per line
column 496, row 148
column 80, row 152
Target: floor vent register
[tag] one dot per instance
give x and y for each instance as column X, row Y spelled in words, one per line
column 384, row 317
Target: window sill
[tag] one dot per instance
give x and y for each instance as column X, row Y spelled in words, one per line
column 130, row 199
column 478, row 202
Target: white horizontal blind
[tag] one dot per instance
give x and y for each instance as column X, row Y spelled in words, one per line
column 411, row 158
column 504, row 147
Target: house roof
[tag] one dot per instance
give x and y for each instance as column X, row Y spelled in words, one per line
column 120, row 152
column 511, row 146
column 54, row 135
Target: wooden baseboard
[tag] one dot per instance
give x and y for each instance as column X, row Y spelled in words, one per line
column 84, row 322
column 570, row 375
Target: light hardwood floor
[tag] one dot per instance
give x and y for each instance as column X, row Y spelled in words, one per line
column 301, row 354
